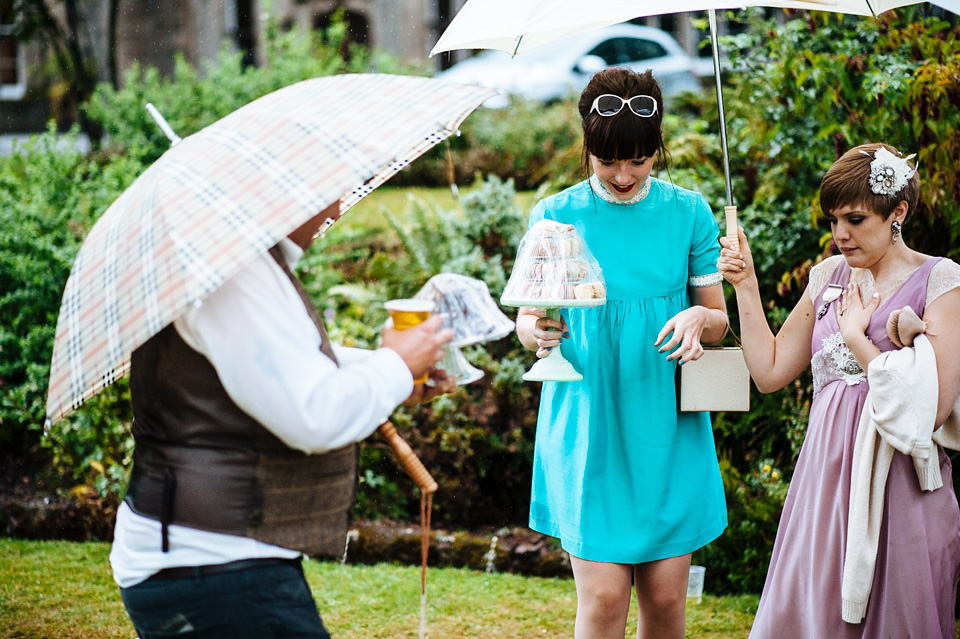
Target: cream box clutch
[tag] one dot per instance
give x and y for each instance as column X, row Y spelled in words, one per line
column 718, row 381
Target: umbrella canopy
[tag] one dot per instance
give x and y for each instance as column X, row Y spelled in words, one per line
column 515, row 26
column 223, row 196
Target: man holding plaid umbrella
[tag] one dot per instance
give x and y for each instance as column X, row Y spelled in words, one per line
column 232, row 402
column 246, row 419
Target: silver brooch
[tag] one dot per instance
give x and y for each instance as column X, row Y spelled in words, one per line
column 832, row 293
column 851, row 367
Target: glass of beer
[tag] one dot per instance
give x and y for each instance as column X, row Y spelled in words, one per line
column 407, row 313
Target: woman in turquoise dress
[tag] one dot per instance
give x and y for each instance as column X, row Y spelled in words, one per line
column 630, row 485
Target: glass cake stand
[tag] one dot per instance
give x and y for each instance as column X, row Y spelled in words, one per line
column 554, row 367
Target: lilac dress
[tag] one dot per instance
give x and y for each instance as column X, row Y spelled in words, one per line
column 918, row 556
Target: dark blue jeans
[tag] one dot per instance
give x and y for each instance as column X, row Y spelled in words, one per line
column 268, row 600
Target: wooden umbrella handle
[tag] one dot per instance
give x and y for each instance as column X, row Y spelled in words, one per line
column 732, row 236
column 408, row 459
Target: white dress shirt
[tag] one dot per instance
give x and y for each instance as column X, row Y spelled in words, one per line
column 259, row 337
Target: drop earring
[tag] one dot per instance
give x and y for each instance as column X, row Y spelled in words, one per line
column 894, row 232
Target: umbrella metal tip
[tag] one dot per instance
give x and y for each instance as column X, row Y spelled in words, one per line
column 162, row 123
column 327, row 223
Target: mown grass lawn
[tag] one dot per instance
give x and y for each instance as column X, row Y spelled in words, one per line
column 64, row 590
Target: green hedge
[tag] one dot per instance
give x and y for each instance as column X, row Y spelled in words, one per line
column 49, row 198
column 193, row 98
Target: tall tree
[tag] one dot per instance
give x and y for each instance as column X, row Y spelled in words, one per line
column 61, row 26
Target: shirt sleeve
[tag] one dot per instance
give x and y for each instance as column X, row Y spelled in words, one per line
column 259, row 337
column 704, row 248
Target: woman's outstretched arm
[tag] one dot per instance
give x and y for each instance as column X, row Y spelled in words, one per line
column 773, row 360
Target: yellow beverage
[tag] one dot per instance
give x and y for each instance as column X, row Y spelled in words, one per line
column 407, row 313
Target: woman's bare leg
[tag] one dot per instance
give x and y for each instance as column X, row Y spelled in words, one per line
column 662, row 598
column 603, row 599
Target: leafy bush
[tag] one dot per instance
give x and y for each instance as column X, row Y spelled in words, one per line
column 49, row 197
column 821, row 86
column 738, row 560
column 812, row 89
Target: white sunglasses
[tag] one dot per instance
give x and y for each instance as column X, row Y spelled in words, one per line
column 608, row 105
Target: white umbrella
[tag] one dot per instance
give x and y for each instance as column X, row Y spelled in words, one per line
column 515, row 26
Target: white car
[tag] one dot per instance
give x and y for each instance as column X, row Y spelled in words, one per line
column 558, row 69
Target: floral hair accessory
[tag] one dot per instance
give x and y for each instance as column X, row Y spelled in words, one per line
column 888, row 172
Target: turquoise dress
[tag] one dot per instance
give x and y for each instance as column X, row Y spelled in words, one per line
column 619, row 475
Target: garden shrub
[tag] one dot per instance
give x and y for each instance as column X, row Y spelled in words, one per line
column 50, row 194
column 522, row 142
column 812, row 89
column 820, row 86
column 737, row 561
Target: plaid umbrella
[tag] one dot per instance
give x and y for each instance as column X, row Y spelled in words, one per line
column 223, row 196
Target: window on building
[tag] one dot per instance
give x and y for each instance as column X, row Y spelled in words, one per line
column 13, row 84
column 445, row 12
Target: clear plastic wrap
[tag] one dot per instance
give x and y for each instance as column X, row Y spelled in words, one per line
column 554, row 267
column 467, row 307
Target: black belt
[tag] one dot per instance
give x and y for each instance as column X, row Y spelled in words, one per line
column 187, row 572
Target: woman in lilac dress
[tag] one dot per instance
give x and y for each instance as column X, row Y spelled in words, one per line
column 867, row 196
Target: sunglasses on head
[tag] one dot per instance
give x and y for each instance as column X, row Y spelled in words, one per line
column 609, row 104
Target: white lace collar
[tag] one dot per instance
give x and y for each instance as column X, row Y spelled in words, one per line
column 607, row 196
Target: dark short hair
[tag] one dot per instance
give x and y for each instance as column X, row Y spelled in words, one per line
column 847, row 183
column 623, row 136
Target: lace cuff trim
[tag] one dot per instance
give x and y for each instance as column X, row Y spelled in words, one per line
column 701, row 281
column 944, row 277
